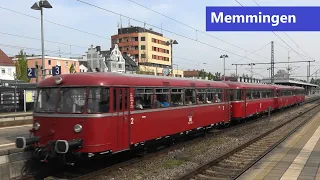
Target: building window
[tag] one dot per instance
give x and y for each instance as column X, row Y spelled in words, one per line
column 67, row 63
column 114, row 65
column 120, row 48
column 95, row 55
column 75, row 64
column 120, row 66
column 154, row 57
column 143, row 47
column 136, row 56
column 136, row 39
column 153, row 40
column 49, row 62
column 154, row 48
column 10, row 71
column 89, row 56
column 143, row 38
column 3, row 71
column 136, row 48
column 143, row 55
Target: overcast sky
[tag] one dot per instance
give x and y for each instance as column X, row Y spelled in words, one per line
column 188, row 54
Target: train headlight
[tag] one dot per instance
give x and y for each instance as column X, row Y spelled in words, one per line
column 36, row 126
column 77, row 128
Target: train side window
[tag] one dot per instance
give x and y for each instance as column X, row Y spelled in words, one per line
column 201, row 96
column 218, row 95
column 176, row 97
column 162, row 96
column 190, row 97
column 236, row 94
column 248, row 94
column 98, row 100
column 214, row 95
column 143, row 98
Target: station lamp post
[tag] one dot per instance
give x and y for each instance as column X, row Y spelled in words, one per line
column 224, row 65
column 171, row 42
column 39, row 6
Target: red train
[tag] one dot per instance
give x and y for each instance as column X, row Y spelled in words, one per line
column 89, row 114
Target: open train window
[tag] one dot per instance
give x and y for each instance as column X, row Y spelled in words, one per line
column 143, row 98
column 190, row 97
column 248, row 94
column 214, row 95
column 176, row 97
column 162, row 98
column 201, row 96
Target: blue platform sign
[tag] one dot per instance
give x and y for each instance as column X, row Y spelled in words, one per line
column 56, row 70
column 285, row 18
column 31, row 72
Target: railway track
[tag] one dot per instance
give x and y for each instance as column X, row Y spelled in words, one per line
column 90, row 172
column 235, row 162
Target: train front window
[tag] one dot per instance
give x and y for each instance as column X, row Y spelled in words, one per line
column 98, row 100
column 72, row 100
column 46, row 100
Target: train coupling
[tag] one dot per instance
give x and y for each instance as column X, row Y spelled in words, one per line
column 22, row 142
column 63, row 146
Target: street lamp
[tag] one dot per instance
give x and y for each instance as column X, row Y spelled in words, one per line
column 170, row 42
column 39, row 6
column 177, row 68
column 224, row 65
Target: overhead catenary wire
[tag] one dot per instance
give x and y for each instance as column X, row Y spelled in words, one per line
column 143, row 22
column 68, row 27
column 197, row 30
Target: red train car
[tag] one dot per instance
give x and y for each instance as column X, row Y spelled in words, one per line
column 299, row 93
column 284, row 96
column 250, row 99
column 101, row 113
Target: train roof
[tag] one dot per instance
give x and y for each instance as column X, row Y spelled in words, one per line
column 123, row 79
column 242, row 85
column 283, row 87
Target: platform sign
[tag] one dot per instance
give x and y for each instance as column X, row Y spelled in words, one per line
column 56, row 70
column 31, row 72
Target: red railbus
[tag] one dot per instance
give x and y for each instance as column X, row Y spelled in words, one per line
column 250, row 99
column 284, row 96
column 299, row 94
column 100, row 113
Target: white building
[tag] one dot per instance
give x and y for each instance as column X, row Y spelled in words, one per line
column 7, row 67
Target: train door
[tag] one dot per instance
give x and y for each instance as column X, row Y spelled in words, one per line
column 228, row 108
column 244, row 97
column 123, row 113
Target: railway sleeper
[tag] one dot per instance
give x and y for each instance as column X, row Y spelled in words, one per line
column 226, row 165
column 202, row 176
column 235, row 158
column 221, row 168
column 218, row 173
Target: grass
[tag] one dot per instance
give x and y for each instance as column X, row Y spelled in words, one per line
column 172, row 163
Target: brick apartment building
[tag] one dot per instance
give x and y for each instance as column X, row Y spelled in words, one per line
column 148, row 47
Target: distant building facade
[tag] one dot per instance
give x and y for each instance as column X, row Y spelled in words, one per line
column 148, row 47
column 110, row 61
column 7, row 67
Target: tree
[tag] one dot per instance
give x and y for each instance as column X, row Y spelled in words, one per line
column 72, row 69
column 210, row 76
column 281, row 73
column 21, row 68
column 312, row 81
column 217, row 76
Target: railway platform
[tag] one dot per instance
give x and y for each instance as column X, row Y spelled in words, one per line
column 298, row 157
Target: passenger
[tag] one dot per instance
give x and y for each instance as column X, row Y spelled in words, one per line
column 138, row 104
column 165, row 103
column 188, row 101
column 217, row 100
column 156, row 102
column 207, row 100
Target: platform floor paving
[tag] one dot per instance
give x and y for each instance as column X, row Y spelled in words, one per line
column 298, row 157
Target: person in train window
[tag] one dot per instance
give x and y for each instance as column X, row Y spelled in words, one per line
column 164, row 103
column 156, row 102
column 217, row 100
column 138, row 105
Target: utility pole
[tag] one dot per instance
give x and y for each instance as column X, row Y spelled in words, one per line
column 252, row 64
column 288, row 65
column 272, row 62
column 308, row 71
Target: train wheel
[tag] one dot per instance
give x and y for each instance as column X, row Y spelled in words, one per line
column 226, row 125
